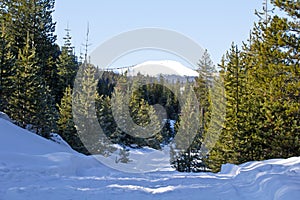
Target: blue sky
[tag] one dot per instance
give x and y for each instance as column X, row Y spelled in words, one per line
column 214, row 25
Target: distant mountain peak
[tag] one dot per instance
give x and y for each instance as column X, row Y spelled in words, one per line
column 162, row 67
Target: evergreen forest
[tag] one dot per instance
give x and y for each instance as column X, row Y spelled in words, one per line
column 256, row 86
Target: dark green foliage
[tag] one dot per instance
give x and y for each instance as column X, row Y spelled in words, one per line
column 143, row 115
column 84, row 111
column 7, row 61
column 206, row 69
column 260, row 82
column 185, row 152
column 67, row 67
column 135, row 115
column 195, row 116
column 105, row 116
column 123, row 156
column 34, row 17
column 31, row 101
column 162, row 93
column 262, row 92
column 133, row 118
column 233, row 78
column 27, row 63
column 167, row 132
column 65, row 123
column 107, row 82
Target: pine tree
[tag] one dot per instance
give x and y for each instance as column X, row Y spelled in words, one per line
column 206, row 68
column 65, row 123
column 7, row 61
column 45, row 112
column 144, row 115
column 105, row 116
column 185, row 152
column 216, row 114
column 226, row 149
column 160, row 92
column 136, row 120
column 107, row 82
column 167, row 132
column 84, row 111
column 262, row 119
column 31, row 102
column 67, row 66
column 120, row 113
column 123, row 156
column 277, row 72
column 202, row 91
column 34, row 17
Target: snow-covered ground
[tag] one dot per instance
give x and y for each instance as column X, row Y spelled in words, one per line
column 35, row 168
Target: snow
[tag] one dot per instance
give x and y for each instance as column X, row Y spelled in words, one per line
column 165, row 67
column 35, row 168
column 4, row 116
column 17, row 140
column 141, row 160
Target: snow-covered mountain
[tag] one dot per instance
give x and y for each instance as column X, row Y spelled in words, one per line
column 162, row 67
column 33, row 168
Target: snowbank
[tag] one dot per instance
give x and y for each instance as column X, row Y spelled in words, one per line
column 34, row 168
column 4, row 116
column 17, row 140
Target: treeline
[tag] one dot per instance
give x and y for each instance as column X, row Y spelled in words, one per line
column 109, row 99
column 262, row 90
column 37, row 79
column 34, row 70
column 125, row 110
column 251, row 107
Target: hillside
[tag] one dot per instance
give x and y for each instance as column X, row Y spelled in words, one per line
column 162, row 67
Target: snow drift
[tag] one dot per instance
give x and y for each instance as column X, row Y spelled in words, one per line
column 34, row 168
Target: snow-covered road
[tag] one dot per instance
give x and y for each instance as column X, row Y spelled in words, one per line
column 34, row 168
